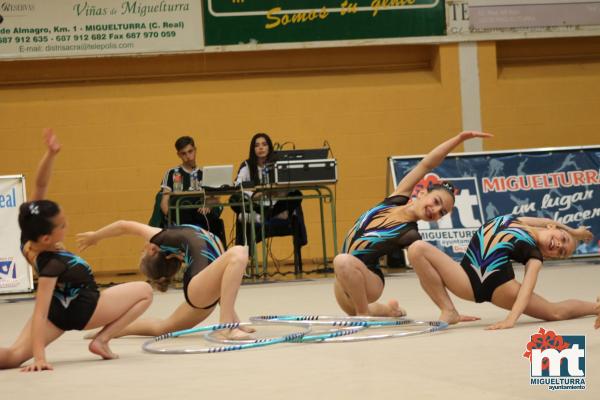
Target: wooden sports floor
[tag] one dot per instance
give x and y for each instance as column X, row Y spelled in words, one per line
column 463, row 362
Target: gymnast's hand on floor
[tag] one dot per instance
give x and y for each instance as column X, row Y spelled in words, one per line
column 38, row 365
column 501, row 325
column 85, row 240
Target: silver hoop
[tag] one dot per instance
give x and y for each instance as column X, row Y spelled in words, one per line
column 427, row 327
column 295, row 336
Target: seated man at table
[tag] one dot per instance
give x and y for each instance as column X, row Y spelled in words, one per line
column 188, row 177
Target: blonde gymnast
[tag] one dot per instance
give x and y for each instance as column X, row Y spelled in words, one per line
column 485, row 274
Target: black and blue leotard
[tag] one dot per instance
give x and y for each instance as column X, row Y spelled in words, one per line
column 75, row 295
column 198, row 246
column 376, row 233
column 487, row 260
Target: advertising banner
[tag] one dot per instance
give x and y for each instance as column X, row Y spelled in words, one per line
column 65, row 28
column 229, row 22
column 517, row 19
column 562, row 184
column 15, row 272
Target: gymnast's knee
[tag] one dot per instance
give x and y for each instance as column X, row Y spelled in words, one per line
column 340, row 261
column 238, row 254
column 559, row 314
column 344, row 267
column 418, row 249
column 145, row 291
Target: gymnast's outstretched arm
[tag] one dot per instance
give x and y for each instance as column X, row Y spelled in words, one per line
column 432, row 160
column 44, row 170
column 118, row 228
column 579, row 233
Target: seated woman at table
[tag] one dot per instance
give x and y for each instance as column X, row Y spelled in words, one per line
column 282, row 217
column 212, row 274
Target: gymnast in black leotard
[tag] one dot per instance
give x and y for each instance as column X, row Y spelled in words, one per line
column 487, row 260
column 212, row 275
column 375, row 235
column 67, row 296
column 391, row 224
column 75, row 295
column 198, row 247
column 486, row 273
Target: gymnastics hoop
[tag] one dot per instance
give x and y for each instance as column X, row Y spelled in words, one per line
column 365, row 321
column 319, row 337
column 429, row 327
column 148, row 345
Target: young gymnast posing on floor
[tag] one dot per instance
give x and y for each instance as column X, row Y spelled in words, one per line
column 486, row 274
column 67, row 296
column 212, row 275
column 390, row 225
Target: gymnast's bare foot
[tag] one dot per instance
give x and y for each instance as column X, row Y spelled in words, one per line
column 101, row 348
column 453, row 317
column 233, row 334
column 391, row 309
column 597, row 324
column 247, row 329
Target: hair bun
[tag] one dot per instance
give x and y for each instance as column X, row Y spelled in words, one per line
column 162, row 283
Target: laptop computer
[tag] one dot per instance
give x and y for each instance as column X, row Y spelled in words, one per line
column 217, row 176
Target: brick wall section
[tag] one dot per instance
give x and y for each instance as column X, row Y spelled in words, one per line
column 541, row 93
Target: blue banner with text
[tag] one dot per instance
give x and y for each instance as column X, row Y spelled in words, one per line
column 562, row 184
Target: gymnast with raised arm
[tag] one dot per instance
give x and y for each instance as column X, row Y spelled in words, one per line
column 390, row 225
column 485, row 273
column 67, row 296
column 212, row 275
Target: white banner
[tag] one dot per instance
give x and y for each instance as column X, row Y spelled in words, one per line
column 15, row 272
column 517, row 19
column 66, row 28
